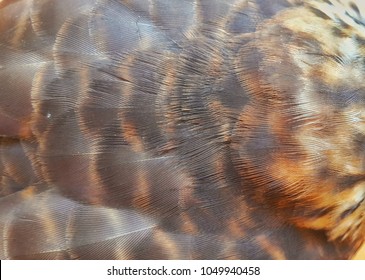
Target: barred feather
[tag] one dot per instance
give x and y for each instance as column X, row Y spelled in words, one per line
column 195, row 129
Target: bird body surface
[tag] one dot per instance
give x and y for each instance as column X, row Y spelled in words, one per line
column 195, row 129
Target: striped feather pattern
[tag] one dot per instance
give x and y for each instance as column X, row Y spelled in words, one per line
column 181, row 129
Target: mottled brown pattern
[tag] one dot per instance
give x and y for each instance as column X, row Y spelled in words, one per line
column 169, row 129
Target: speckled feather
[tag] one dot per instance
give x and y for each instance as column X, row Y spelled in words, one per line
column 194, row 129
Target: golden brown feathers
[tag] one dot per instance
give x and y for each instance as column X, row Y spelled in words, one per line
column 181, row 129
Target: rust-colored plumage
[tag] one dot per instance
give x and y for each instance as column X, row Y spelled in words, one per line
column 169, row 129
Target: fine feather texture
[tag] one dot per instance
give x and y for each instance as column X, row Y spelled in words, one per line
column 184, row 129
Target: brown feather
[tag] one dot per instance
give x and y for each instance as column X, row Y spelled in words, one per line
column 196, row 129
